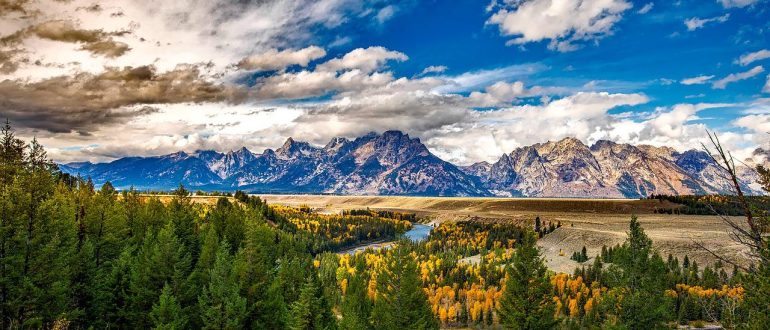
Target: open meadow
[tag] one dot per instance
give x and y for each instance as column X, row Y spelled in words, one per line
column 585, row 222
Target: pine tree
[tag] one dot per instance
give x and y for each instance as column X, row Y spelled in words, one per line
column 644, row 305
column 356, row 306
column 221, row 305
column 161, row 259
column 526, row 302
column 400, row 302
column 167, row 314
column 182, row 214
column 311, row 311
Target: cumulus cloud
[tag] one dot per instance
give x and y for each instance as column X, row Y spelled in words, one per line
column 364, row 59
column 275, row 60
column 108, row 48
column 702, row 79
column 84, row 101
column 502, row 93
column 697, row 23
column 96, row 41
column 8, row 7
column 562, row 22
column 749, row 58
column 166, row 33
column 305, row 84
column 161, row 75
column 735, row 77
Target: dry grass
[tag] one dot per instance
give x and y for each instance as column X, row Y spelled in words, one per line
column 589, row 222
column 165, row 199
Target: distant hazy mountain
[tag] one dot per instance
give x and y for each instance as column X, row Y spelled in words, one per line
column 395, row 164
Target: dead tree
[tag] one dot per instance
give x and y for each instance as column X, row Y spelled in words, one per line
column 750, row 233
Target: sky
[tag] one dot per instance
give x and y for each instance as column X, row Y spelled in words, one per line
column 473, row 79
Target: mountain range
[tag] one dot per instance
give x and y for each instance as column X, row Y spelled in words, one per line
column 392, row 163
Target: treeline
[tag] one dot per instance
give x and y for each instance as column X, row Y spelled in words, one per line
column 543, row 228
column 326, row 232
column 695, row 294
column 382, row 214
column 708, row 204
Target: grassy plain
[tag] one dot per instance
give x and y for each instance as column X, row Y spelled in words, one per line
column 585, row 222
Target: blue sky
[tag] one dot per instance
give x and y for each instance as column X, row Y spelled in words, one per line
column 472, row 79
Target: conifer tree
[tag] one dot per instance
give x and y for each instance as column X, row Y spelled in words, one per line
column 220, row 304
column 643, row 305
column 311, row 311
column 356, row 306
column 166, row 314
column 526, row 302
column 400, row 302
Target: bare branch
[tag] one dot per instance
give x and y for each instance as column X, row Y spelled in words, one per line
column 750, row 237
column 716, row 255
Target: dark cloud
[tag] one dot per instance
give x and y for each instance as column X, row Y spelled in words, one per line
column 84, row 102
column 108, row 48
column 66, row 31
column 94, row 8
column 98, row 42
column 9, row 62
column 8, row 7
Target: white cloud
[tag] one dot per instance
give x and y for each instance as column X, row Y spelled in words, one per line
column 697, row 23
column 360, row 92
column 274, row 59
column 749, row 58
column 168, row 33
column 364, row 59
column 736, row 3
column 646, row 8
column 696, row 80
column 433, row 69
column 385, row 13
column 734, row 77
column 562, row 22
column 475, row 80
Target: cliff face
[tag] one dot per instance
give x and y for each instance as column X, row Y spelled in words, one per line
column 569, row 168
column 393, row 163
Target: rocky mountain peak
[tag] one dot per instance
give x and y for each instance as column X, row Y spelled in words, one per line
column 336, row 143
column 294, row 149
column 178, row 155
column 395, row 163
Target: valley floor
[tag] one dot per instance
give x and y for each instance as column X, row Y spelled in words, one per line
column 585, row 222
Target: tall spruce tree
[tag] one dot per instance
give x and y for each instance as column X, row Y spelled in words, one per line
column 526, row 301
column 356, row 306
column 220, row 304
column 642, row 279
column 400, row 302
column 167, row 314
column 312, row 310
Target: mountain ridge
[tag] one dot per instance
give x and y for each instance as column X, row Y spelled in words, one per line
column 393, row 163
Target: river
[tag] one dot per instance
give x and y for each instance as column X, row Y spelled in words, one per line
column 419, row 232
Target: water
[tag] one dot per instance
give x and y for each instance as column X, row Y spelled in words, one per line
column 418, row 232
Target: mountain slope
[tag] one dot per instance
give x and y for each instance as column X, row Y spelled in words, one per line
column 393, row 163
column 389, row 164
column 569, row 168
